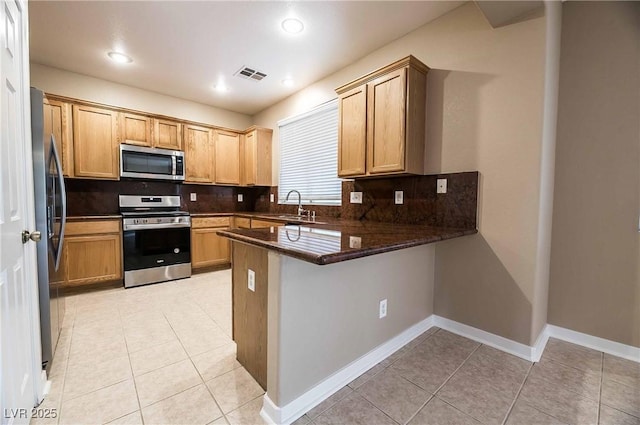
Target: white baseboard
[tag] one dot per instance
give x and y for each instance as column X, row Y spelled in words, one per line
column 292, row 411
column 316, row 395
column 607, row 346
column 498, row 342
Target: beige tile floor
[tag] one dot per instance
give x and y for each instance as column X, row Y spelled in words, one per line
column 162, row 354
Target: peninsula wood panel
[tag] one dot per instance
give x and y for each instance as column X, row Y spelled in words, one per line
column 257, row 224
column 227, row 157
column 57, row 121
column 198, row 152
column 167, row 134
column 95, row 142
column 250, row 310
column 134, row 129
column 352, row 137
column 242, row 222
column 386, row 124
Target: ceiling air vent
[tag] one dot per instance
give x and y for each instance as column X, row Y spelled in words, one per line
column 250, row 74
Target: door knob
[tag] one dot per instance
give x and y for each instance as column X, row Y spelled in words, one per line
column 34, row 236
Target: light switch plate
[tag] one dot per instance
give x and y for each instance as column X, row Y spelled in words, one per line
column 240, row 197
column 399, row 197
column 441, row 186
column 355, row 242
column 193, row 197
column 272, row 197
column 251, row 280
column 356, row 197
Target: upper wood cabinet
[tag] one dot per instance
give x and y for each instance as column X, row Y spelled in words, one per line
column 134, row 129
column 382, row 121
column 57, row 121
column 95, row 142
column 199, row 155
column 256, row 158
column 167, row 134
column 227, row 157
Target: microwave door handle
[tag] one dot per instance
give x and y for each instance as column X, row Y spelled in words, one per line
column 173, row 164
column 63, row 197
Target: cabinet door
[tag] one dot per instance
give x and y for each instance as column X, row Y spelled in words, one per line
column 386, row 118
column 57, row 121
column 208, row 249
column 227, row 157
column 352, row 133
column 92, row 259
column 167, row 134
column 95, row 142
column 198, row 154
column 249, row 165
column 134, row 129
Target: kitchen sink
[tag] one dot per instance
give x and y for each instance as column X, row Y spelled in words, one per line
column 292, row 218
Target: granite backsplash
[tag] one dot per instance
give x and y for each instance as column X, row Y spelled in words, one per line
column 456, row 208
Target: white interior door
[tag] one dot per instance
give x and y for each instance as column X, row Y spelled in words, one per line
column 19, row 326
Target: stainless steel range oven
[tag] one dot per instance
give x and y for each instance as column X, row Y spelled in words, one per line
column 156, row 239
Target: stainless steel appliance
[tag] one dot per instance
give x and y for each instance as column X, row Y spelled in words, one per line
column 51, row 214
column 151, row 163
column 156, row 239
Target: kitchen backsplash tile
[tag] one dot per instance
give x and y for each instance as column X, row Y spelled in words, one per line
column 456, row 208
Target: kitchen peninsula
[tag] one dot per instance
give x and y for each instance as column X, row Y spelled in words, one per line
column 340, row 294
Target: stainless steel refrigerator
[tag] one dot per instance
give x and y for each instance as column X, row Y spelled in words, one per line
column 51, row 215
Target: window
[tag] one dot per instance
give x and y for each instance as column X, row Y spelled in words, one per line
column 309, row 157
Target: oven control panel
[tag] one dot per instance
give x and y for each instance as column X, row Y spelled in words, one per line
column 139, row 223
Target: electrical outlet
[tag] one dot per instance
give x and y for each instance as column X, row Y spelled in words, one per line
column 272, row 197
column 356, row 197
column 383, row 309
column 251, row 280
column 240, row 197
column 355, row 242
column 399, row 196
column 441, row 186
column 193, row 197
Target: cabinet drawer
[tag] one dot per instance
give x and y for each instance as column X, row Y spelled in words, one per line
column 202, row 222
column 257, row 224
column 242, row 223
column 92, row 227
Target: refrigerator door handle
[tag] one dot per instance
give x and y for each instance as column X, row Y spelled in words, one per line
column 63, row 197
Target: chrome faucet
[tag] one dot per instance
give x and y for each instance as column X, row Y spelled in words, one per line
column 300, row 209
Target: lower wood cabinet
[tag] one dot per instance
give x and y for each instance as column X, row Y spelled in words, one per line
column 92, row 252
column 258, row 224
column 207, row 248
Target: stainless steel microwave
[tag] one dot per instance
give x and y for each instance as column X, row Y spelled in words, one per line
column 151, row 163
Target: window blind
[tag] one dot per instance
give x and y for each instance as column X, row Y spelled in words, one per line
column 309, row 157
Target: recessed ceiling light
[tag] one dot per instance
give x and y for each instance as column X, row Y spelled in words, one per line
column 287, row 82
column 221, row 88
column 292, row 25
column 119, row 57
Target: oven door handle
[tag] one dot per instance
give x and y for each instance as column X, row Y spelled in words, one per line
column 154, row 226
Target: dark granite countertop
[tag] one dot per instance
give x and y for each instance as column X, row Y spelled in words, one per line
column 94, row 217
column 340, row 240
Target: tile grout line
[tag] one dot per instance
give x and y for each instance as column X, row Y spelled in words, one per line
column 133, row 378
column 515, row 399
column 456, row 371
column 194, row 366
column 600, row 388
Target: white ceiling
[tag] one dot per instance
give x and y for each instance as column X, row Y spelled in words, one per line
column 183, row 48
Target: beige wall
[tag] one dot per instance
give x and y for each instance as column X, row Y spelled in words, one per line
column 595, row 281
column 322, row 318
column 65, row 83
column 484, row 112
